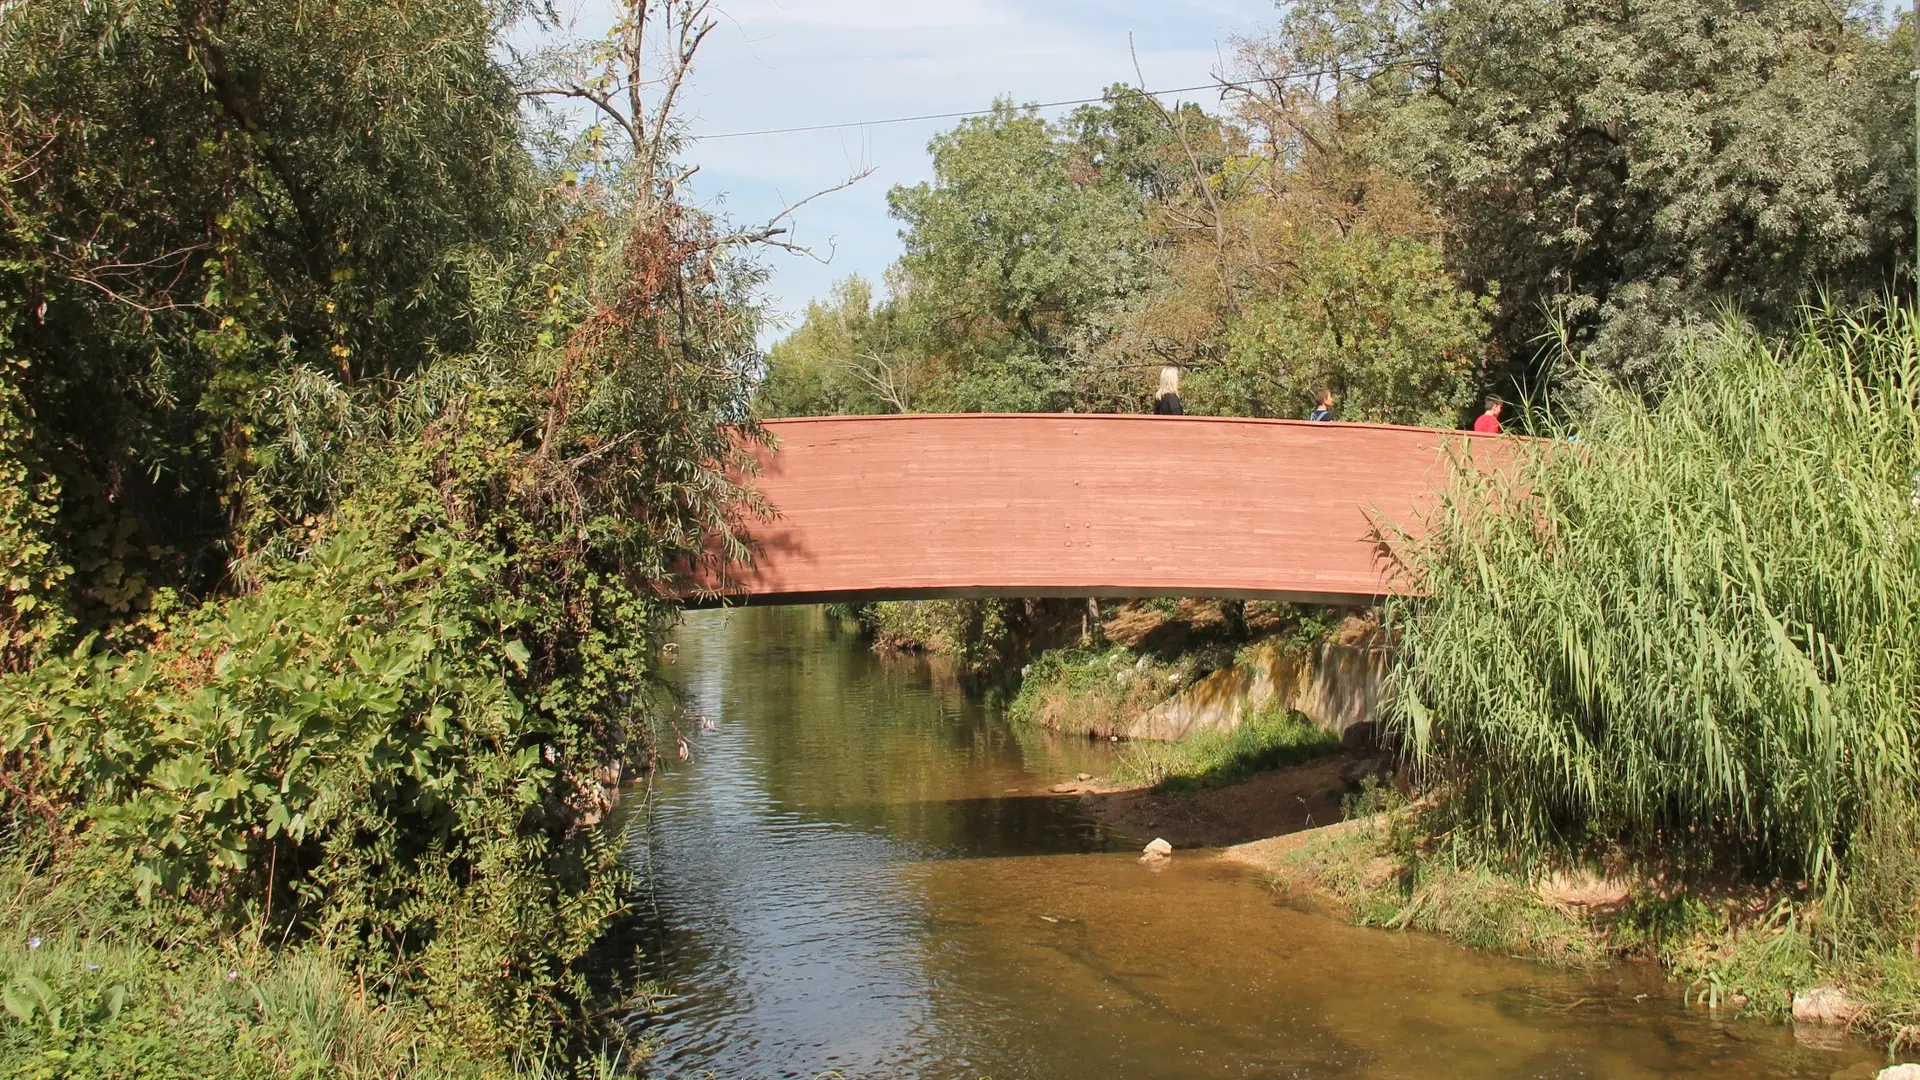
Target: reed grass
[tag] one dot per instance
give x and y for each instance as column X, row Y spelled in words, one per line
column 1692, row 635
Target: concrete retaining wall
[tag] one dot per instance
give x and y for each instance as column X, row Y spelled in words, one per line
column 1336, row 686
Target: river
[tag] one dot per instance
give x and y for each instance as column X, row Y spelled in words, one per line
column 858, row 873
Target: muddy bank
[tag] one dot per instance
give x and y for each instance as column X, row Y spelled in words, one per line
column 1274, row 803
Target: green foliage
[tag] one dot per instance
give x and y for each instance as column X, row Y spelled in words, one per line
column 821, row 368
column 1634, row 168
column 1028, row 229
column 80, row 998
column 1018, row 232
column 199, row 198
column 1059, row 266
column 34, row 586
column 986, row 640
column 1378, row 320
column 1693, row 633
column 1264, row 740
column 355, row 751
column 1084, row 691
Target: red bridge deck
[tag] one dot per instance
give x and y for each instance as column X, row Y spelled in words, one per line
column 903, row 507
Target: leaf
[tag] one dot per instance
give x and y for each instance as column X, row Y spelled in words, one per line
column 17, row 1004
column 517, row 652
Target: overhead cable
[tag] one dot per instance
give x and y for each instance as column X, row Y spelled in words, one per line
column 1218, row 85
column 935, row 116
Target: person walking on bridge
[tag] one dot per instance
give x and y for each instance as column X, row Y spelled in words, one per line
column 1489, row 421
column 1322, row 406
column 1167, row 401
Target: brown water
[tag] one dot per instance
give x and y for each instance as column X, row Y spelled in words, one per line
column 856, row 874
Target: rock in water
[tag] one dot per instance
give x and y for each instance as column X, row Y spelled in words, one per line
column 1084, row 776
column 1900, row 1072
column 1157, row 850
column 1824, row 1005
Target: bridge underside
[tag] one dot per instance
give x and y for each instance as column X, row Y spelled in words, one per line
column 1018, row 592
column 918, row 507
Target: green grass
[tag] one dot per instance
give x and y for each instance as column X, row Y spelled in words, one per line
column 1266, row 740
column 1386, row 874
column 100, row 989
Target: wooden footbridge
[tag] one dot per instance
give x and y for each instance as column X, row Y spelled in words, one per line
column 913, row 507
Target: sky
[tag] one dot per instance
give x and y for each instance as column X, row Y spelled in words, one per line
column 785, row 63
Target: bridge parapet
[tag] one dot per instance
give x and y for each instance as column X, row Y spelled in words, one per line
column 914, row 507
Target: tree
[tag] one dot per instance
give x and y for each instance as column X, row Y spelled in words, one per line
column 1628, row 169
column 828, row 365
column 197, row 198
column 1285, row 261
column 1376, row 319
column 1020, row 236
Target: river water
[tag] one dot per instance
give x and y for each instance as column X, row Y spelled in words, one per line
column 858, row 874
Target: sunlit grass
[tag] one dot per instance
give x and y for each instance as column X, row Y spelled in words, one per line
column 1265, row 740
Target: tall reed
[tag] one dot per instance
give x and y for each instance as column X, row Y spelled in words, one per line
column 1693, row 634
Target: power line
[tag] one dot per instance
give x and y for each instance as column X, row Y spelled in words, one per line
column 1218, row 85
column 939, row 116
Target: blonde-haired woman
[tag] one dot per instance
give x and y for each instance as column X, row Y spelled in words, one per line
column 1167, row 401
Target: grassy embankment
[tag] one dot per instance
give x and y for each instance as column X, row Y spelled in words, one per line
column 1682, row 656
column 93, row 987
column 1742, row 948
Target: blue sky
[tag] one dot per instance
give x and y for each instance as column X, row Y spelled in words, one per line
column 781, row 63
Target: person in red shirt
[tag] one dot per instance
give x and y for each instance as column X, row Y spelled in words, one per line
column 1489, row 421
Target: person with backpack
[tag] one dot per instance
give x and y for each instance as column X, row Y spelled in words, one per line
column 1322, row 406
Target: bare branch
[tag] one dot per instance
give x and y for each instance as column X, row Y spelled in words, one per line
column 769, row 231
column 602, row 102
column 1179, row 128
column 882, row 380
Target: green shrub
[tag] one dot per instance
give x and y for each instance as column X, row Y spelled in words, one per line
column 86, row 990
column 1094, row 692
column 354, row 753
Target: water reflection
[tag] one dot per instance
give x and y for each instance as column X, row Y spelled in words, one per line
column 855, row 873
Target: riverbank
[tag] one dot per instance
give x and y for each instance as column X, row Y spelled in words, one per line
column 1331, row 834
column 1768, row 953
column 1272, row 803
